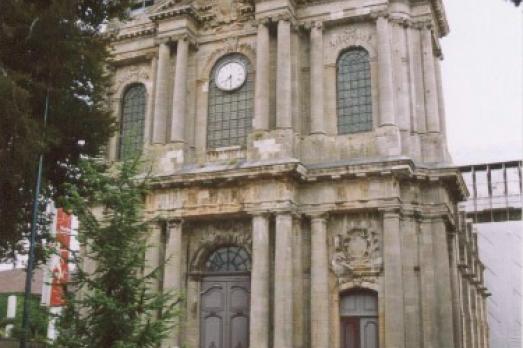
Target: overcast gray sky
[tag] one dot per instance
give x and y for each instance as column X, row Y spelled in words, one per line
column 482, row 80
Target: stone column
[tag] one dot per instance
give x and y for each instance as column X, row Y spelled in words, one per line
column 392, row 260
column 316, row 78
column 173, row 256
column 385, row 82
column 283, row 76
column 443, row 284
column 298, row 281
column 180, row 92
column 429, row 79
column 261, row 100
column 456, row 296
column 283, row 314
column 260, row 287
column 161, row 97
column 319, row 283
column 172, row 279
column 428, row 286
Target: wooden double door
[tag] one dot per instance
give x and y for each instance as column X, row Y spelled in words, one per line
column 359, row 319
column 224, row 312
column 359, row 332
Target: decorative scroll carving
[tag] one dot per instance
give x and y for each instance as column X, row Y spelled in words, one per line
column 209, row 236
column 357, row 254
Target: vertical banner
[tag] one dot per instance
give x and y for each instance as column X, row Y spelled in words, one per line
column 60, row 268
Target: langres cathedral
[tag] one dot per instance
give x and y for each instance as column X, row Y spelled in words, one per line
column 301, row 178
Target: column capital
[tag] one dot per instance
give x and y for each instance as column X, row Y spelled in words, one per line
column 391, row 212
column 310, row 25
column 320, row 215
column 174, row 223
column 379, row 14
column 262, row 21
column 262, row 213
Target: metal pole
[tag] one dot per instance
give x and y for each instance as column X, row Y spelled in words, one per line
column 32, row 240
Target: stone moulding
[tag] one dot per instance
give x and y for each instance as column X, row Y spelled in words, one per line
column 214, row 235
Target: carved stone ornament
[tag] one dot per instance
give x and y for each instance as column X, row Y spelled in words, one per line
column 210, row 236
column 349, row 37
column 133, row 73
column 357, row 253
column 220, row 12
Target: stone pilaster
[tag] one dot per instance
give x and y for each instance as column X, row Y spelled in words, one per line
column 260, row 277
column 283, row 76
column 283, row 279
column 150, row 104
column 456, row 296
column 319, row 283
column 428, row 286
column 298, row 285
column 316, row 79
column 385, row 81
column 261, row 100
column 429, row 79
column 173, row 255
column 443, row 284
column 173, row 271
column 161, row 97
column 394, row 307
column 180, row 92
column 410, row 264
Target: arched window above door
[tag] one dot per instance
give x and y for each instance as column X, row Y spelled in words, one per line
column 229, row 259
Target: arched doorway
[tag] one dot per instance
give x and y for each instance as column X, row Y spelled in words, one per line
column 359, row 319
column 225, row 299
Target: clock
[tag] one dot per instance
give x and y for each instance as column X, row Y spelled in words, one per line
column 230, row 75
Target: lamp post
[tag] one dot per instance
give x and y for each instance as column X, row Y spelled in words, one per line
column 32, row 238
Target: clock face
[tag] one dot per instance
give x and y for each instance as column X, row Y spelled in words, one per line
column 230, row 76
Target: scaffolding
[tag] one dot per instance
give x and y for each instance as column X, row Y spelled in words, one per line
column 495, row 191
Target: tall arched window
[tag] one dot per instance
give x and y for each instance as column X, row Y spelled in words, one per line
column 359, row 319
column 354, row 100
column 132, row 122
column 231, row 101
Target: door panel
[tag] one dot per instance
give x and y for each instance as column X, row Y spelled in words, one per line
column 224, row 313
column 369, row 332
column 350, row 333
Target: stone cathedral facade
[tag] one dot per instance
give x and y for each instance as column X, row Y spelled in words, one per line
column 301, row 179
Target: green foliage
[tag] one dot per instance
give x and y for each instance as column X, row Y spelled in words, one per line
column 114, row 303
column 39, row 318
column 50, row 46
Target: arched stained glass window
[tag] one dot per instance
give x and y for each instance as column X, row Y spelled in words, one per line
column 229, row 259
column 230, row 112
column 354, row 100
column 132, row 122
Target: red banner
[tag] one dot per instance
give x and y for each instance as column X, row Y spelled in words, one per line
column 60, row 271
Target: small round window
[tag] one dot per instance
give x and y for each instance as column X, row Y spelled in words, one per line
column 229, row 259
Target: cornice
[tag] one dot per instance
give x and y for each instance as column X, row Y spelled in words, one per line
column 166, row 12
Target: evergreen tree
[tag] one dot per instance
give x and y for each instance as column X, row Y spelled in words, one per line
column 55, row 47
column 113, row 303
